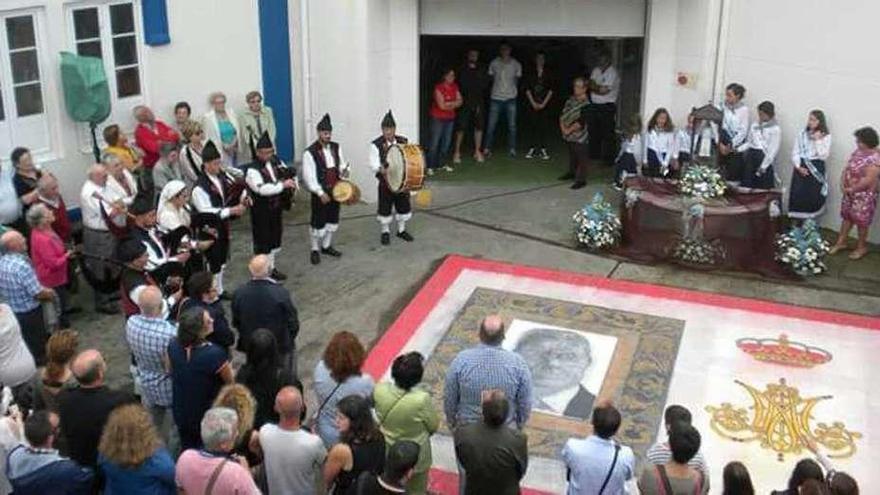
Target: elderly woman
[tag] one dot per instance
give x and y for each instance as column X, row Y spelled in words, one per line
column 254, row 120
column 191, row 152
column 198, row 369
column 361, row 446
column 405, row 412
column 121, row 183
column 337, row 375
column 859, row 186
column 50, row 257
column 174, row 221
column 131, row 455
column 221, row 127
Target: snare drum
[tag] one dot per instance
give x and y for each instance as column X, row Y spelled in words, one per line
column 406, row 167
column 346, row 192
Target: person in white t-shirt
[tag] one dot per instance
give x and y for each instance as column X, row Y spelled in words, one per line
column 604, row 86
column 293, row 456
column 505, row 72
column 16, row 362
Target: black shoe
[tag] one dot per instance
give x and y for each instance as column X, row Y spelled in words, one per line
column 276, row 275
column 566, row 176
column 315, row 257
column 386, row 238
column 330, row 251
column 405, row 236
column 578, row 185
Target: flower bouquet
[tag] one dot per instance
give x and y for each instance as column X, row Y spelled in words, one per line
column 596, row 226
column 698, row 251
column 802, row 248
column 702, row 181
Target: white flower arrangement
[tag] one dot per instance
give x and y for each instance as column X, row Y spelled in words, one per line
column 596, row 226
column 803, row 249
column 698, row 251
column 702, row 181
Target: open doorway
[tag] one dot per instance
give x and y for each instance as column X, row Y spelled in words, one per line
column 566, row 58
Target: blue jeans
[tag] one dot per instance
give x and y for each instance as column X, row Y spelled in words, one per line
column 495, row 109
column 441, row 141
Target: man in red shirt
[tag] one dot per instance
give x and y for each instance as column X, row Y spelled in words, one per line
column 149, row 135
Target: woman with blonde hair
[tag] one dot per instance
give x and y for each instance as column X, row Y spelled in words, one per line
column 221, row 127
column 56, row 376
column 238, row 398
column 131, row 456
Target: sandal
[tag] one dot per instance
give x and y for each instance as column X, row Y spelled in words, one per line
column 858, row 254
column 837, row 248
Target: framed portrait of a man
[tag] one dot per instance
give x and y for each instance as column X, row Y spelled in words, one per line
column 568, row 365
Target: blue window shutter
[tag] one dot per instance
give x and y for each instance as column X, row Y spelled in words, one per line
column 155, row 14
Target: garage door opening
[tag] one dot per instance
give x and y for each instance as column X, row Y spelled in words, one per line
column 566, row 58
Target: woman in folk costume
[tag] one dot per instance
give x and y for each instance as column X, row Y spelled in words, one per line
column 809, row 182
column 174, row 222
column 217, row 198
column 761, row 149
column 659, row 144
column 734, row 131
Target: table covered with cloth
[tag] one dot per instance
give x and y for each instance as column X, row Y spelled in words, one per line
column 736, row 231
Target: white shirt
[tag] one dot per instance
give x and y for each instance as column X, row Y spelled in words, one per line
column 293, row 459
column 663, row 144
column 90, row 207
column 16, row 363
column 817, row 149
column 608, row 78
column 255, row 181
column 736, row 123
column 201, row 200
column 589, row 460
column 505, row 75
column 766, row 139
column 375, row 160
column 683, row 141
column 115, row 186
column 310, row 171
column 633, row 145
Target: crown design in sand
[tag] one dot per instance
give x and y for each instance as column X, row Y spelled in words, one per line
column 785, row 352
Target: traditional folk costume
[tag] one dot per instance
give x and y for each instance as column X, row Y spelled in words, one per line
column 809, row 192
column 160, row 262
column 212, row 198
column 177, row 229
column 134, row 280
column 760, row 152
column 124, row 187
column 265, row 180
column 734, row 133
column 399, row 201
column 323, row 166
column 628, row 159
column 100, row 234
column 659, row 151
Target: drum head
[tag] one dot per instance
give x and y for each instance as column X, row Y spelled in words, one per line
column 396, row 168
column 342, row 191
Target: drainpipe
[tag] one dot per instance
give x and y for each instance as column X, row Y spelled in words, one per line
column 306, row 68
column 721, row 51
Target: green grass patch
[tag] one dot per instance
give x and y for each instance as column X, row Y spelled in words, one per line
column 502, row 169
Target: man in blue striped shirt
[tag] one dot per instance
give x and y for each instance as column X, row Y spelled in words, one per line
column 481, row 369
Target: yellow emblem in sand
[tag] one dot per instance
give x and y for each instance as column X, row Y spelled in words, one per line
column 782, row 422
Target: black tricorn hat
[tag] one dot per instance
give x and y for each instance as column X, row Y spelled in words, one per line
column 324, row 124
column 265, row 142
column 142, row 204
column 209, row 152
column 130, row 250
column 388, row 121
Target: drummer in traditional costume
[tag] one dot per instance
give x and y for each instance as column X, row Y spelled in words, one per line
column 216, row 196
column 323, row 166
column 809, row 183
column 388, row 200
column 271, row 183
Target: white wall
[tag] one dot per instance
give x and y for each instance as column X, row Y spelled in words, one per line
column 659, row 55
column 533, row 17
column 806, row 54
column 213, row 46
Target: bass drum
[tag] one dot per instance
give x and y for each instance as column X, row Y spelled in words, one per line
column 406, row 167
column 346, row 192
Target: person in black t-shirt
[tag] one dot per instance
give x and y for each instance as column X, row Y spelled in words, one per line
column 538, row 95
column 473, row 80
column 399, row 467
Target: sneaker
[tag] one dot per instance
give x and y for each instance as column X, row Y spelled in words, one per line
column 511, row 153
column 479, row 157
column 544, row 155
column 430, row 172
column 405, row 236
column 487, row 154
column 448, row 168
column 331, row 251
column 456, row 159
column 530, row 154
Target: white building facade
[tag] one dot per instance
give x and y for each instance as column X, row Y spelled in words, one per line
column 355, row 59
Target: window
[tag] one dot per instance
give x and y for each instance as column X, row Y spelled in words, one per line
column 22, row 108
column 109, row 32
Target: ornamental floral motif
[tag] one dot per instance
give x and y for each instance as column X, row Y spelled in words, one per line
column 698, row 251
column 596, row 226
column 702, row 181
column 803, row 249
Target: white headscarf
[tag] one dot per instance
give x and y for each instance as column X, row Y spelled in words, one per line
column 169, row 216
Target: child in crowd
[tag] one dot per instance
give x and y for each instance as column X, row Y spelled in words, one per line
column 630, row 155
column 659, row 144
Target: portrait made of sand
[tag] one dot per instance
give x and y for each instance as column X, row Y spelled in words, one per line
column 568, row 366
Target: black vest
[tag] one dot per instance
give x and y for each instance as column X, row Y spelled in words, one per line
column 379, row 143
column 207, row 185
column 317, row 152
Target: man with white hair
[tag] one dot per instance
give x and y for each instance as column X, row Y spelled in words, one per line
column 213, row 470
column 49, row 194
column 103, row 214
column 148, row 334
column 264, row 303
column 21, row 290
